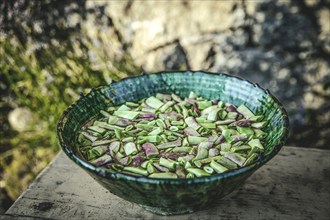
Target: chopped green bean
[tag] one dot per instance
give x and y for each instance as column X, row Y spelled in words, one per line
column 88, row 136
column 208, row 169
column 169, row 144
column 130, row 148
column 151, row 168
column 167, row 163
column 193, row 140
column 127, row 114
column 123, row 108
column 97, row 129
column 166, row 136
column 255, row 143
column 236, row 158
column 154, row 102
column 156, row 131
column 166, row 175
column 198, row 172
column 218, row 167
column 245, row 111
column 166, row 106
column 104, row 113
column 136, row 170
column 96, row 152
column 191, row 122
column 101, row 142
column 182, row 149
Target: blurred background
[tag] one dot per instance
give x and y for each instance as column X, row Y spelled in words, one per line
column 50, row 51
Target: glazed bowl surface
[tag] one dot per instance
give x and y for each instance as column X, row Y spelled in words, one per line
column 174, row 196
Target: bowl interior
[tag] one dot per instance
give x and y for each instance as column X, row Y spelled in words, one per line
column 208, row 85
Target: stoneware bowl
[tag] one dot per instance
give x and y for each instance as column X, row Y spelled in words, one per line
column 174, row 196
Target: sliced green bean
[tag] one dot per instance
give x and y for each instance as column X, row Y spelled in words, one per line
column 124, row 108
column 182, row 149
column 191, row 122
column 97, row 129
column 131, row 115
column 169, row 144
column 150, row 150
column 166, row 175
column 151, row 168
column 198, row 172
column 166, row 136
column 156, row 131
column 167, row 163
column 193, row 140
column 152, row 139
column 202, row 152
column 130, row 148
column 101, row 142
column 236, row 158
column 96, row 152
column 136, row 170
column 154, row 102
column 245, row 111
column 218, row 167
column 208, row 169
column 104, row 113
column 88, row 136
column 256, row 143
column 250, row 159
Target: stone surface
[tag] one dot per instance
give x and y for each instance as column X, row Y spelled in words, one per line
column 293, row 185
column 282, row 45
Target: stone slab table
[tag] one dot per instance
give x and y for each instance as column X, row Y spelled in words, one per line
column 295, row 184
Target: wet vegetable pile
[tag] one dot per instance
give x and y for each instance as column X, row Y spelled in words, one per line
column 165, row 136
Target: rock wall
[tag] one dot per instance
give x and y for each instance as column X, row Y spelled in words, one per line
column 282, row 45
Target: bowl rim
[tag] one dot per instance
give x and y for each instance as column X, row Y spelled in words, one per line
column 122, row 176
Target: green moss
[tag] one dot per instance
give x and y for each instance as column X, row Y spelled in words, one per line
column 46, row 80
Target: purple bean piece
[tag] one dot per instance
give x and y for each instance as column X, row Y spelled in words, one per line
column 196, row 109
column 108, row 165
column 123, row 122
column 172, row 155
column 150, row 149
column 160, row 168
column 220, row 140
column 241, row 123
column 100, row 162
column 231, row 108
column 113, row 148
column 215, row 101
column 188, row 131
column 147, row 115
column 106, row 158
column 213, row 138
column 137, row 160
column 124, row 161
column 236, row 158
column 239, row 137
column 143, row 119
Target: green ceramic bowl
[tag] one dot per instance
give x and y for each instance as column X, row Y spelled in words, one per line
column 178, row 196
